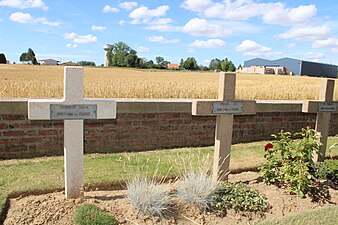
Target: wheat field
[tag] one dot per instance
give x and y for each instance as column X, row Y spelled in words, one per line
column 27, row 81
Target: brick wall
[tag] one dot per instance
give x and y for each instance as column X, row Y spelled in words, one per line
column 145, row 129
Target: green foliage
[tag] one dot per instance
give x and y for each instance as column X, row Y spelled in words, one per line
column 29, row 56
column 290, row 162
column 329, row 170
column 148, row 196
column 240, row 197
column 3, row 59
column 190, row 64
column 222, row 65
column 93, row 215
column 196, row 188
column 86, row 63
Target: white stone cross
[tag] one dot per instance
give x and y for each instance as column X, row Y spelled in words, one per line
column 324, row 107
column 73, row 109
column 224, row 108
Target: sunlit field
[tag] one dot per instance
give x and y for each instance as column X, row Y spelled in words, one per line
column 27, row 81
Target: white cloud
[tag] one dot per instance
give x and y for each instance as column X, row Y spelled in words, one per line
column 26, row 18
column 307, row 33
column 279, row 15
column 202, row 27
column 144, row 15
column 252, row 48
column 94, row 27
column 122, row 22
column 24, row 4
column 80, row 39
column 313, row 56
column 196, row 5
column 211, row 43
column 143, row 49
column 110, row 9
column 161, row 39
column 271, row 13
column 327, row 43
column 291, row 45
column 127, row 5
column 71, row 45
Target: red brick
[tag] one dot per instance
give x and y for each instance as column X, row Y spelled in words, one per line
column 14, row 133
column 3, row 141
column 13, row 117
column 49, row 132
column 3, row 126
column 30, row 140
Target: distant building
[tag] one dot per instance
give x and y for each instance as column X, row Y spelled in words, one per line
column 296, row 66
column 173, row 66
column 48, row 62
column 279, row 70
column 3, row 59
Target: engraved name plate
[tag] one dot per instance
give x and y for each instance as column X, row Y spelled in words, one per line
column 227, row 107
column 327, row 107
column 72, row 112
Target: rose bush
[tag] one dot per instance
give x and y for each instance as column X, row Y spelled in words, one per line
column 290, row 162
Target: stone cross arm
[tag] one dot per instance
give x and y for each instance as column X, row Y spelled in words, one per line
column 40, row 109
column 218, row 107
column 320, row 107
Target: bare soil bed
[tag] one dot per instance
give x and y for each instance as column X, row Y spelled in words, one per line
column 53, row 208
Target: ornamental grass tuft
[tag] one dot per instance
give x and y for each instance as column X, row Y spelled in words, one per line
column 149, row 197
column 196, row 188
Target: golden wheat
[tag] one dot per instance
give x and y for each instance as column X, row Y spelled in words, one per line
column 26, row 81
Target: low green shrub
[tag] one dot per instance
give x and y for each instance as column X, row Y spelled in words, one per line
column 196, row 188
column 90, row 214
column 149, row 197
column 240, row 197
column 290, row 162
column 329, row 170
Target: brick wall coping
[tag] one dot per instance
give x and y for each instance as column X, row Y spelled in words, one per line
column 19, row 106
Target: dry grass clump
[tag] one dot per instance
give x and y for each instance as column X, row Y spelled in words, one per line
column 196, row 188
column 26, row 81
column 149, row 196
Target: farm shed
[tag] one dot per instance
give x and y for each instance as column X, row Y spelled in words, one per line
column 48, row 62
column 297, row 67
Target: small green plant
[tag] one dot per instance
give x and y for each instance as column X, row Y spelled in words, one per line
column 290, row 162
column 329, row 170
column 90, row 214
column 196, row 188
column 240, row 197
column 149, row 196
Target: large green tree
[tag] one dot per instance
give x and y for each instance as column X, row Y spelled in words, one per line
column 190, row 64
column 29, row 56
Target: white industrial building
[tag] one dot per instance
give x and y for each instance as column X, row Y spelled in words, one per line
column 48, row 62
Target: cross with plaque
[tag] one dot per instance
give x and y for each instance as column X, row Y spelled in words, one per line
column 323, row 107
column 73, row 109
column 224, row 108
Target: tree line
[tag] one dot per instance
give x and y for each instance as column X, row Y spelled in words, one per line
column 121, row 55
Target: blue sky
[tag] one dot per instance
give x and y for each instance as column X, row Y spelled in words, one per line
column 74, row 30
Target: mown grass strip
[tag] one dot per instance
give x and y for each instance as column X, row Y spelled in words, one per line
column 326, row 215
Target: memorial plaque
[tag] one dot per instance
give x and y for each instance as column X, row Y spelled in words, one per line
column 327, row 107
column 72, row 112
column 227, row 107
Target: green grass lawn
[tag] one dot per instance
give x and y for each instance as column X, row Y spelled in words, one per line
column 326, row 215
column 42, row 175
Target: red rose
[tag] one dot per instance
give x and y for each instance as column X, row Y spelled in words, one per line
column 309, row 127
column 268, row 146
